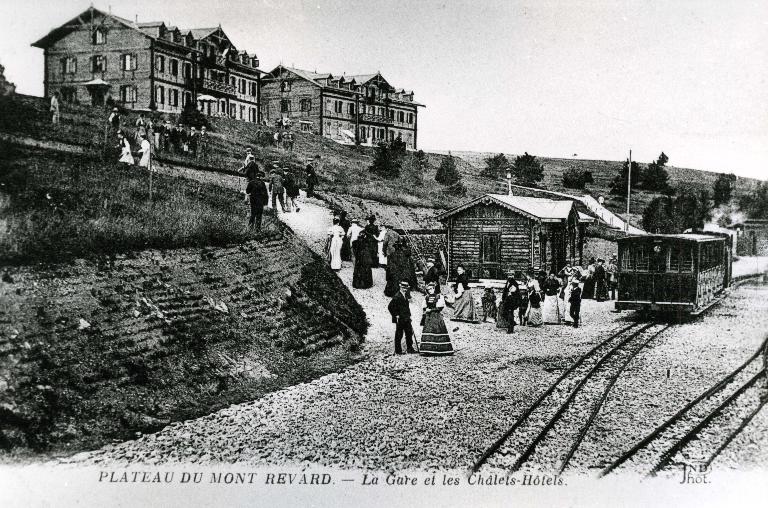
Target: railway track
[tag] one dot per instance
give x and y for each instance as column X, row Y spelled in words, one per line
column 704, row 427
column 551, row 430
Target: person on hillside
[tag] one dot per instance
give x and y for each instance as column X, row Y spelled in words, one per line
column 174, row 138
column 435, row 340
column 125, row 150
column 551, row 310
column 257, row 195
column 168, row 135
column 612, row 272
column 380, row 253
column 145, row 151
column 55, row 109
column 432, row 274
column 202, row 144
column 151, row 133
column 373, row 239
column 114, row 121
column 400, row 310
column 291, row 197
column 510, row 302
column 141, row 127
column 276, row 139
column 193, row 142
column 311, row 179
column 400, row 268
column 346, row 246
column 276, row 189
column 464, row 308
column 335, row 234
column 575, row 301
column 601, row 282
column 533, row 315
column 352, row 235
column 588, row 292
column 288, row 140
column 489, row 304
column 362, row 276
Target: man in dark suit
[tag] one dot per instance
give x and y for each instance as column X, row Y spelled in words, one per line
column 432, row 275
column 257, row 192
column 401, row 315
column 575, row 301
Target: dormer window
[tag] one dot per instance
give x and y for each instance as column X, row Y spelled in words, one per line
column 99, row 36
column 285, row 86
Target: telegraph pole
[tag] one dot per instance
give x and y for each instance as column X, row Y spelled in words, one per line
column 629, row 189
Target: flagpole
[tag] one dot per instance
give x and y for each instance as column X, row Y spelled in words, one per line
column 629, row 190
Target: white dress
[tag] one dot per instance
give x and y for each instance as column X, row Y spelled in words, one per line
column 125, row 154
column 382, row 254
column 336, row 233
column 144, row 162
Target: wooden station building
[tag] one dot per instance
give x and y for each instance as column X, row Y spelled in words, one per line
column 495, row 235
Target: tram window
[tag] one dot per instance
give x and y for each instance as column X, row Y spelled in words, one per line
column 641, row 259
column 627, row 262
column 680, row 259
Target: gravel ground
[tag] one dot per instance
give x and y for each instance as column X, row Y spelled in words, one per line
column 408, row 412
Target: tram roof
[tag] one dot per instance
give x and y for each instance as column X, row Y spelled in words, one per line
column 692, row 237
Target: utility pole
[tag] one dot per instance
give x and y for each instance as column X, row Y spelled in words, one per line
column 629, row 189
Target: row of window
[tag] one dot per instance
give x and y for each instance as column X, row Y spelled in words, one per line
column 676, row 259
column 172, row 95
column 173, row 66
column 128, row 62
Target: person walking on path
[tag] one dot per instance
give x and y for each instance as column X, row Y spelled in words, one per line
column 311, row 178
column 277, row 189
column 380, row 252
column 522, row 310
column 432, row 274
column 292, row 194
column 352, row 234
column 613, row 281
column 362, row 277
column 335, row 234
column 575, row 301
column 55, row 109
column 533, row 315
column 202, row 144
column 372, row 229
column 510, row 302
column 391, row 237
column 400, row 310
column 194, row 138
column 141, row 127
column 145, row 151
column 346, row 246
column 551, row 311
column 588, row 293
column 114, row 121
column 400, row 268
column 601, row 284
column 257, row 194
column 435, row 340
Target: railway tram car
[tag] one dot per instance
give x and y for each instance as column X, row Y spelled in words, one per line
column 683, row 274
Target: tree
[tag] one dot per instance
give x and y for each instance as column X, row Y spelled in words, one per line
column 723, row 188
column 447, row 174
column 496, row 166
column 386, row 161
column 193, row 117
column 755, row 204
column 655, row 176
column 421, row 160
column 668, row 214
column 527, row 169
column 619, row 183
column 575, row 178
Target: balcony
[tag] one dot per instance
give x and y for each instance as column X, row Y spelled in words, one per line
column 368, row 117
column 209, row 84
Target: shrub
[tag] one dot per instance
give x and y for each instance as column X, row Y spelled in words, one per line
column 447, row 174
column 619, row 183
column 527, row 169
column 496, row 166
column 387, row 161
column 575, row 178
column 655, row 176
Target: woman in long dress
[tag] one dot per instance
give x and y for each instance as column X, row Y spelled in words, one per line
column 125, row 150
column 588, row 292
column 362, row 277
column 399, row 268
column 551, row 310
column 382, row 255
column 145, row 151
column 435, row 340
column 335, row 234
column 511, row 301
column 464, row 307
column 534, row 317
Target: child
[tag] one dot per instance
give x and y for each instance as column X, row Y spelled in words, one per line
column 489, row 304
column 575, row 301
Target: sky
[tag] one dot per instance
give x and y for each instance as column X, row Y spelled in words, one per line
column 577, row 79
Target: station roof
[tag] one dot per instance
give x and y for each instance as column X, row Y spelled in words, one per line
column 543, row 209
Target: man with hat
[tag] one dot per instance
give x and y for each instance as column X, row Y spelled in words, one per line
column 575, row 301
column 432, row 275
column 400, row 310
column 311, row 177
column 257, row 194
column 276, row 188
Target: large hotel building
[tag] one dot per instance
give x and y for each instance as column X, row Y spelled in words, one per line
column 156, row 67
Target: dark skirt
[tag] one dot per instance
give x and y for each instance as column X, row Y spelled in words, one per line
column 589, row 289
column 346, row 249
column 435, row 340
column 362, row 277
column 501, row 317
column 601, row 290
column 464, row 308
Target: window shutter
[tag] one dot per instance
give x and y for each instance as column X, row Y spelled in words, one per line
column 134, row 62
